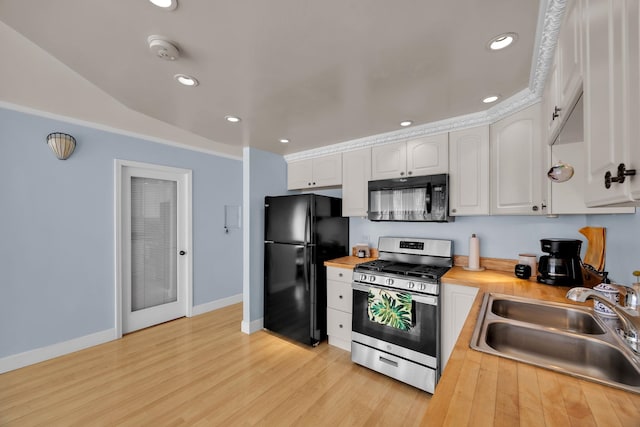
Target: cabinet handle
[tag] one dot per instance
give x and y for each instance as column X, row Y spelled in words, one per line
column 623, row 173
column 543, row 206
column 314, row 183
column 339, row 274
column 555, row 114
column 453, row 211
column 534, row 208
column 409, row 173
column 401, row 173
column 340, row 325
column 340, row 296
column 308, row 183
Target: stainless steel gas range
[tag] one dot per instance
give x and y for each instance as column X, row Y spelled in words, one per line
column 396, row 309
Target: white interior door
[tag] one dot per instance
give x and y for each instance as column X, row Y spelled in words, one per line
column 155, row 245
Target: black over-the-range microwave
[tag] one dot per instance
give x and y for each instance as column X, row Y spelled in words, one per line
column 419, row 198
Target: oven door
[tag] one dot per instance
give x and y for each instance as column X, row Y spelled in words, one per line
column 420, row 343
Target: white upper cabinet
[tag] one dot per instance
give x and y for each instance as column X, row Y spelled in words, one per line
column 423, row 156
column 389, row 161
column 516, row 166
column 469, row 171
column 356, row 173
column 325, row 171
column 428, row 155
column 568, row 197
column 564, row 84
column 612, row 97
column 570, row 57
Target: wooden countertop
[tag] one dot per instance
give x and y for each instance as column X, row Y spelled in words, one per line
column 346, row 262
column 479, row 389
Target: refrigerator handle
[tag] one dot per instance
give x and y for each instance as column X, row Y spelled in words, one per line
column 307, row 220
column 305, row 268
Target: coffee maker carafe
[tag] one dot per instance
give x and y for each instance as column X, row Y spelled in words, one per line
column 562, row 267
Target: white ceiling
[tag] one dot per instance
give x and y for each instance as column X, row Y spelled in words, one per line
column 318, row 73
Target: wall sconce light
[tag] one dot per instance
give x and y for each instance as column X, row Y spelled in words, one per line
column 61, row 144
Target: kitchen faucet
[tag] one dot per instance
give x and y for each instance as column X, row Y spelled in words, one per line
column 630, row 318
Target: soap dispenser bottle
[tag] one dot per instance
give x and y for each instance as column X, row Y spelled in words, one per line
column 609, row 292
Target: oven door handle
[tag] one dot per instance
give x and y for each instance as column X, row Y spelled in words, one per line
column 424, row 299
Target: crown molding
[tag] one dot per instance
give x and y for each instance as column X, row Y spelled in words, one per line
column 552, row 12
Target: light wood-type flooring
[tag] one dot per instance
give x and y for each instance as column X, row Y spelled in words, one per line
column 203, row 371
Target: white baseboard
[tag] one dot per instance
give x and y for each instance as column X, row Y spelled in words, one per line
column 20, row 360
column 214, row 305
column 251, row 327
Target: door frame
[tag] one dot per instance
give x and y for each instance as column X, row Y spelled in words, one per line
column 186, row 191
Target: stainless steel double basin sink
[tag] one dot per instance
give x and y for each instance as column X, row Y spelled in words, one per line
column 565, row 338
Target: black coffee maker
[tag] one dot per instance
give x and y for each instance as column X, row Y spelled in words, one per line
column 562, row 267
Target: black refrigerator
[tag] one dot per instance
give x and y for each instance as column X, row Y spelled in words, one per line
column 301, row 232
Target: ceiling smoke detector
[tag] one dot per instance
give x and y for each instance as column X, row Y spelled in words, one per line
column 163, row 48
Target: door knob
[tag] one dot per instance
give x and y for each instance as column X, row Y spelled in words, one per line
column 182, row 253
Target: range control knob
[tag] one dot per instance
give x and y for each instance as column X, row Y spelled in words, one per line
column 423, row 286
column 372, row 278
column 411, row 285
column 363, row 277
column 389, row 281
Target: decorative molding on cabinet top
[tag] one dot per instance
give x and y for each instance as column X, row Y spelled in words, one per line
column 546, row 41
column 552, row 12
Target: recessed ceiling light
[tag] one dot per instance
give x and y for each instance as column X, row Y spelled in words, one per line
column 165, row 4
column 502, row 41
column 284, row 140
column 406, row 123
column 186, row 80
column 490, row 99
column 232, row 119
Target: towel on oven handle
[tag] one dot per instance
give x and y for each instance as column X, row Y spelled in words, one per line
column 390, row 308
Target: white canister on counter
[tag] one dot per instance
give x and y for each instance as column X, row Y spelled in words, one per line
column 529, row 259
column 610, row 293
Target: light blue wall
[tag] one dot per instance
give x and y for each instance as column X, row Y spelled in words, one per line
column 57, row 229
column 266, row 175
column 507, row 236
column 623, row 244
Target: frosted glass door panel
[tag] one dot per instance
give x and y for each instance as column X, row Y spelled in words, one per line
column 154, row 277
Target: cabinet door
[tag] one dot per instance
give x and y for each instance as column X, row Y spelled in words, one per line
column 389, row 161
column 568, row 197
column 632, row 89
column 456, row 304
column 356, row 173
column 603, row 114
column 428, row 156
column 516, row 172
column 327, row 170
column 469, row 171
column 550, row 103
column 299, row 174
column 570, row 57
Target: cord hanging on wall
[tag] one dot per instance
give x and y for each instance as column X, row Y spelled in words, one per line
column 61, row 144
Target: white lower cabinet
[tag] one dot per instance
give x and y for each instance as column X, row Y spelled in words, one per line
column 456, row 303
column 339, row 306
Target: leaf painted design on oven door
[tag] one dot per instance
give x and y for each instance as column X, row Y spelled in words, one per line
column 390, row 308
